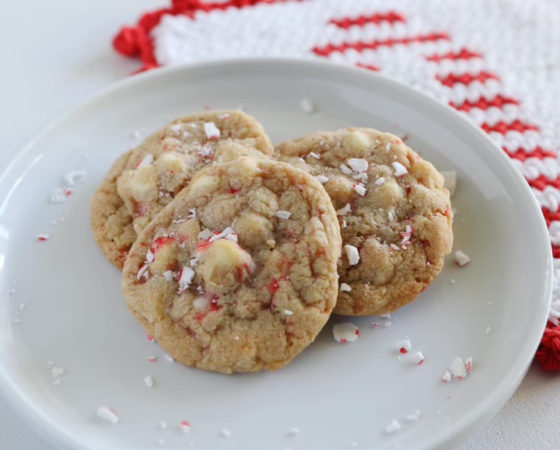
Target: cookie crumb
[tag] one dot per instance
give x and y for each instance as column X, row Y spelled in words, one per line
column 307, row 106
column 345, row 332
column 107, row 414
column 461, row 258
column 393, row 427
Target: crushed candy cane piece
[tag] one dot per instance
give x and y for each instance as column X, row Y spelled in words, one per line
column 461, row 258
column 211, row 130
column 449, row 181
column 283, row 214
column 404, row 346
column 185, row 426
column 393, row 427
column 74, row 175
column 400, row 170
column 344, row 210
column 390, row 216
column 314, row 155
column 413, row 417
column 345, row 287
column 360, row 189
column 150, row 257
column 322, row 179
column 58, row 196
column 142, row 271
column 163, row 425
column 352, row 254
column 152, row 359
column 185, row 277
column 307, row 105
column 457, row 368
column 228, row 233
column 387, row 146
column 57, row 371
column 224, row 432
column 345, row 332
column 149, row 381
column 358, row 164
column 192, row 213
column 169, row 358
column 107, row 414
column 446, row 377
column 42, row 237
column 288, row 312
column 417, row 358
column 452, row 281
column 294, row 431
column 149, row 337
column 345, row 169
column 380, row 181
column 469, row 364
column 394, row 246
column 145, row 161
column 489, row 330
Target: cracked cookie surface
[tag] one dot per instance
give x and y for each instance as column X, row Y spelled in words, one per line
column 238, row 272
column 394, row 212
column 142, row 181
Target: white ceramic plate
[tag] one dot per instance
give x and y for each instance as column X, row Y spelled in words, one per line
column 335, row 394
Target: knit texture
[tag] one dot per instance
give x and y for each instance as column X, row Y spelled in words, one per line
column 496, row 62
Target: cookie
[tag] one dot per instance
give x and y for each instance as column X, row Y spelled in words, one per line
column 393, row 209
column 238, row 272
column 145, row 179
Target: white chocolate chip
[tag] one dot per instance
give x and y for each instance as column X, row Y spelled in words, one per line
column 149, row 381
column 400, row 170
column 352, row 254
column 461, row 259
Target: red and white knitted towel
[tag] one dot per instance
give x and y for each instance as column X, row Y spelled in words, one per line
column 496, row 62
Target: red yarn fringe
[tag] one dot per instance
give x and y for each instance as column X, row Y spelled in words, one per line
column 548, row 353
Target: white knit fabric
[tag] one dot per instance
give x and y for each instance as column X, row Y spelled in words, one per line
column 519, row 41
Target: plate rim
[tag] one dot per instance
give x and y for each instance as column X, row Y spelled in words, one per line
column 48, row 427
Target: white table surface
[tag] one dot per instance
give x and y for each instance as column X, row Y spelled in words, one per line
column 55, row 54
